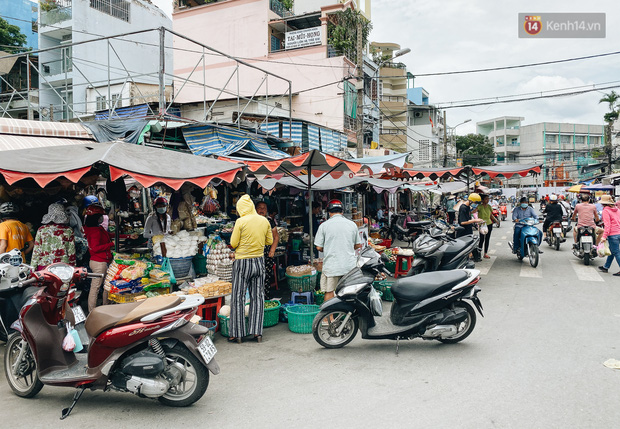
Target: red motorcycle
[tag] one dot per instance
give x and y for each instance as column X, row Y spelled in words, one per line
column 495, row 213
column 148, row 348
column 555, row 235
column 504, row 211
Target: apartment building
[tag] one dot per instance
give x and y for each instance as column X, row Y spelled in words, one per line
column 77, row 80
column 562, row 148
column 23, row 14
column 425, row 131
column 284, row 45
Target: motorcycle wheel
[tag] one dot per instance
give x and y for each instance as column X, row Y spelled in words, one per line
column 586, row 259
column 196, row 380
column 498, row 223
column 324, row 330
column 465, row 327
column 557, row 243
column 28, row 385
column 533, row 254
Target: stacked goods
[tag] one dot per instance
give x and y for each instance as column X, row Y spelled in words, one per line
column 219, row 255
column 283, row 233
column 211, row 289
column 181, row 245
column 356, row 217
column 301, row 278
column 224, row 270
column 127, row 279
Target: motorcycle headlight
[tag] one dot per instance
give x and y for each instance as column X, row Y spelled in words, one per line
column 63, row 271
column 351, row 289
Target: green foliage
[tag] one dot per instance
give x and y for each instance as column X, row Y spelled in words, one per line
column 10, row 35
column 342, row 31
column 47, row 5
column 476, row 149
column 287, row 4
column 612, row 99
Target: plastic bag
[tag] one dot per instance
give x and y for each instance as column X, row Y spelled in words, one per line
column 165, row 266
column 603, row 249
column 375, row 303
column 484, row 229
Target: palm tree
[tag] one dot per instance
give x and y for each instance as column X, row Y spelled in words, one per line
column 611, row 99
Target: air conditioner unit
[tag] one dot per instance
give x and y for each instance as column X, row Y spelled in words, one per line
column 417, row 114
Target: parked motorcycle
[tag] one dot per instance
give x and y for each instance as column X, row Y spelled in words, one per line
column 555, row 235
column 585, row 248
column 530, row 238
column 434, row 250
column 148, row 348
column 408, row 234
column 430, row 306
column 495, row 213
column 12, row 271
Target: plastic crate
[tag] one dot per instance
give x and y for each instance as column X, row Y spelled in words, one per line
column 391, row 266
column 386, row 242
column 271, row 315
column 300, row 318
column 305, row 283
column 181, row 266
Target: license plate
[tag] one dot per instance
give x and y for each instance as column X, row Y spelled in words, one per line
column 78, row 314
column 586, row 239
column 564, row 223
column 557, row 230
column 207, row 349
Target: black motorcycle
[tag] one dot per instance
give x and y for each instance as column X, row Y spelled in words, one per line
column 585, row 248
column 409, row 234
column 435, row 250
column 431, row 306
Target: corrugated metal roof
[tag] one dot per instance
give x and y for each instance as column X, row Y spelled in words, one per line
column 22, row 127
column 14, row 142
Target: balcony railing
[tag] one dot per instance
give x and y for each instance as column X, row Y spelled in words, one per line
column 279, row 8
column 52, row 68
column 395, row 65
column 55, row 16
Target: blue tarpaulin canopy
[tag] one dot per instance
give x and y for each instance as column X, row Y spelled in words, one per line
column 206, row 139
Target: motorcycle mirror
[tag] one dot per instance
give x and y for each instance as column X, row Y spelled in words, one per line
column 384, row 258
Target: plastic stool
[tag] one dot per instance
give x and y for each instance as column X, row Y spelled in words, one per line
column 400, row 261
column 307, row 295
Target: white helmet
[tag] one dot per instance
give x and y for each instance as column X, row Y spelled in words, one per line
column 553, row 197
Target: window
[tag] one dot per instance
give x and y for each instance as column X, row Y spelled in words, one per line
column 276, row 44
column 424, row 150
column 101, row 103
column 500, row 158
column 550, row 157
column 435, row 151
column 550, row 139
column 565, row 140
column 565, row 156
column 116, row 8
column 595, row 140
column 580, row 139
column 514, row 141
column 116, row 101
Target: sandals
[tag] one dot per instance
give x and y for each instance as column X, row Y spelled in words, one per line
column 234, row 340
column 258, row 338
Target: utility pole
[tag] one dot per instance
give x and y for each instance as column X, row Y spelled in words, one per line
column 360, row 90
column 608, row 149
column 445, row 140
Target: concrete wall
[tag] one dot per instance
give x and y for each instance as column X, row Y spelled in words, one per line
column 22, row 10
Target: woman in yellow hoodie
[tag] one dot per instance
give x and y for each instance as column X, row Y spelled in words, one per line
column 251, row 234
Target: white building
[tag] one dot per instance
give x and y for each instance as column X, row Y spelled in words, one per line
column 77, row 79
column 561, row 148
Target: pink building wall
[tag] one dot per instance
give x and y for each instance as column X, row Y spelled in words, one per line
column 240, row 28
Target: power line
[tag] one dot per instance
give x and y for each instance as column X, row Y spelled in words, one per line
column 543, row 63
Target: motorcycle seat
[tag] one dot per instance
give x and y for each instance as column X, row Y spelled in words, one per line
column 419, row 225
column 108, row 316
column 421, row 286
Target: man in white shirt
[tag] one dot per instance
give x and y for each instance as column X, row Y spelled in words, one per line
column 337, row 238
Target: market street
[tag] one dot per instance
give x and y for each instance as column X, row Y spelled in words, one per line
column 534, row 361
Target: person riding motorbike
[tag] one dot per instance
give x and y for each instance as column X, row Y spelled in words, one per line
column 553, row 212
column 523, row 211
column 586, row 216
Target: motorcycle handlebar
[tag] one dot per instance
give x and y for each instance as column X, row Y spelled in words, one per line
column 95, row 275
column 27, row 282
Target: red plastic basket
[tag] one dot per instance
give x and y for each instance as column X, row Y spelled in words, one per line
column 386, row 242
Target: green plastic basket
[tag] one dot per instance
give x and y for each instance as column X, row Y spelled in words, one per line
column 301, row 284
column 300, row 318
column 319, row 298
column 391, row 266
column 387, row 294
column 271, row 315
column 224, row 325
column 385, row 287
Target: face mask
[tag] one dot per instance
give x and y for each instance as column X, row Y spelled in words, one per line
column 523, row 206
column 161, row 210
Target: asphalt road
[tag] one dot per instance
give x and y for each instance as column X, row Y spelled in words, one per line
column 534, row 361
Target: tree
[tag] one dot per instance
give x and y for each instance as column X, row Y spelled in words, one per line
column 11, row 37
column 476, row 149
column 342, row 31
column 613, row 100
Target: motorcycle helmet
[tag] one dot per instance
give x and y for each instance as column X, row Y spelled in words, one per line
column 160, row 201
column 335, row 206
column 90, row 200
column 553, row 197
column 94, row 209
column 474, row 197
column 562, row 197
column 8, row 208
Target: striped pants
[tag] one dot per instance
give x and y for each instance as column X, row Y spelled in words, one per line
column 247, row 273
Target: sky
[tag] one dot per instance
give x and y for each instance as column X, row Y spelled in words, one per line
column 472, row 34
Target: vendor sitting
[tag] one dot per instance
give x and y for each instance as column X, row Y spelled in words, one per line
column 157, row 223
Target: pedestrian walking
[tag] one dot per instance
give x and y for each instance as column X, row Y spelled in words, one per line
column 337, row 238
column 250, row 235
column 485, row 212
column 611, row 232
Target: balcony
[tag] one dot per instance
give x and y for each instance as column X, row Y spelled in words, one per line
column 54, row 16
column 57, row 67
column 279, row 8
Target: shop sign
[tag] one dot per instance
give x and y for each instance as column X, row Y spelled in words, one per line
column 303, row 38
